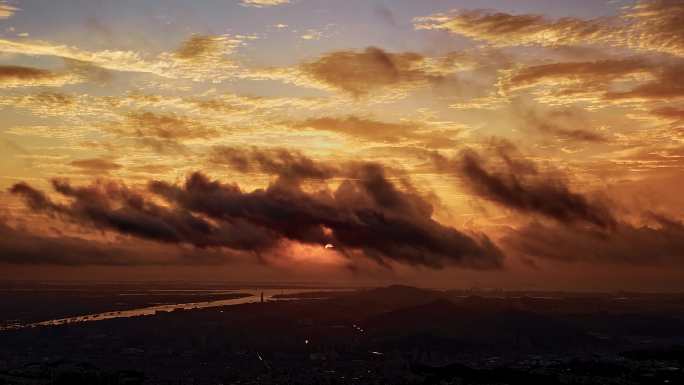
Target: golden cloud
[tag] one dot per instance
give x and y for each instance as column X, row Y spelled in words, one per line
column 566, row 124
column 165, row 126
column 647, row 25
column 503, row 29
column 656, row 26
column 360, row 72
column 19, row 76
column 594, row 71
column 666, row 86
column 199, row 58
column 600, row 83
column 382, row 132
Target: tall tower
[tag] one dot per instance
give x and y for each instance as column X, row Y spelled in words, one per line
column 262, row 297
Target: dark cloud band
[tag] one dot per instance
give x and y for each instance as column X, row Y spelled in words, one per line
column 366, row 213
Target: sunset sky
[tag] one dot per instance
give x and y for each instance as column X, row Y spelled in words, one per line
column 527, row 144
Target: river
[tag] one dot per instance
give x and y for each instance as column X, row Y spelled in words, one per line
column 252, row 296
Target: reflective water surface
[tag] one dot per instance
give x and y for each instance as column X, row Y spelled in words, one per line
column 251, row 296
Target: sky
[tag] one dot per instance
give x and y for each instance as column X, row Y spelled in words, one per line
column 533, row 145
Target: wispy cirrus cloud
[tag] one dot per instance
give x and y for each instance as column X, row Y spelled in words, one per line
column 6, row 10
column 670, row 113
column 601, row 83
column 163, row 126
column 503, row 29
column 565, row 124
column 656, row 26
column 600, row 72
column 644, row 26
column 198, row 58
column 377, row 131
column 263, row 3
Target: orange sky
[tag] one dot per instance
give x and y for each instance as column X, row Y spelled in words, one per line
column 516, row 144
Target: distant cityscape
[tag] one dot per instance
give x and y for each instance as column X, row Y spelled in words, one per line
column 390, row 335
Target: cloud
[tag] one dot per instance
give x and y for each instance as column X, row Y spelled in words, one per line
column 18, row 76
column 53, row 100
column 366, row 214
column 96, row 165
column 385, row 75
column 361, row 72
column 670, row 113
column 170, row 147
column 165, row 126
column 263, row 3
column 562, row 123
column 504, row 29
column 202, row 58
column 21, row 73
column 660, row 157
column 643, row 26
column 7, row 11
column 199, row 58
column 34, row 199
column 113, row 206
column 278, row 161
column 656, row 26
column 318, row 33
column 608, row 80
column 113, row 60
column 666, row 86
column 601, row 71
column 582, row 230
column 165, row 133
column 199, row 47
column 505, row 177
column 660, row 243
column 22, row 247
column 379, row 131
